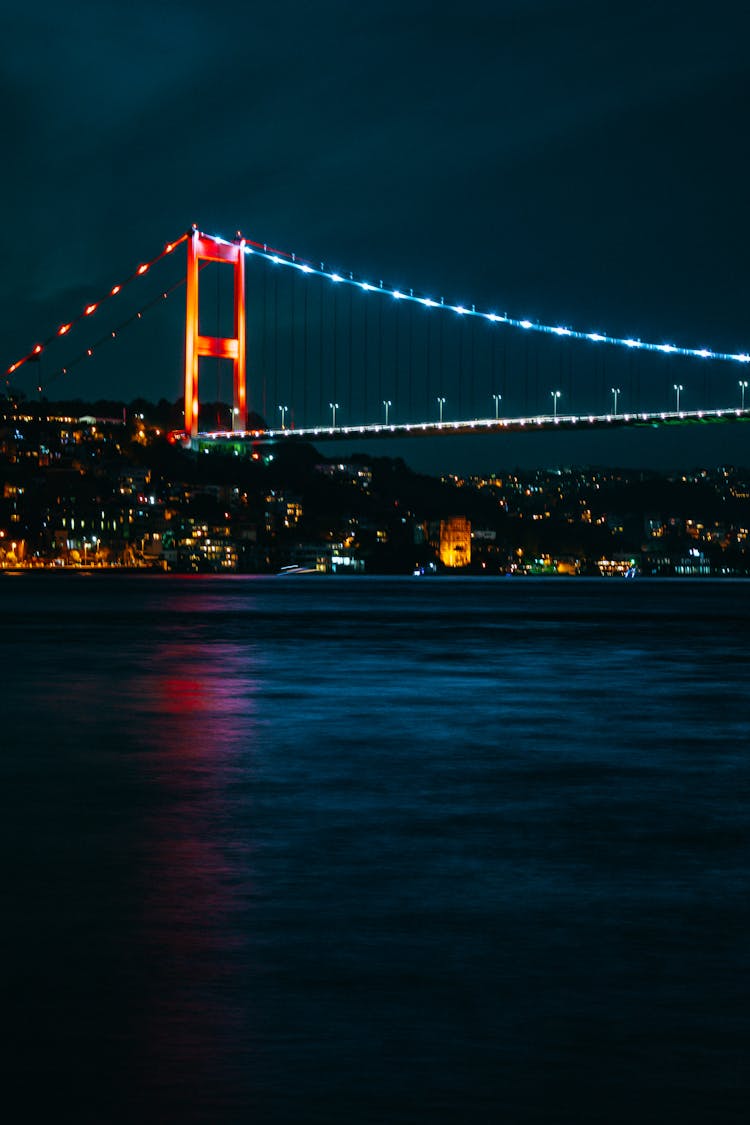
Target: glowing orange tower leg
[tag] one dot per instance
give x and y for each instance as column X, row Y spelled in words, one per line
column 202, row 247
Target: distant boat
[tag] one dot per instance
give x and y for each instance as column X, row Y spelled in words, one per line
column 294, row 569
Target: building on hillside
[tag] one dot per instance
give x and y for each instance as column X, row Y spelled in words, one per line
column 455, row 542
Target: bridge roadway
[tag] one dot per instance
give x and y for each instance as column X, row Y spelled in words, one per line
column 531, row 423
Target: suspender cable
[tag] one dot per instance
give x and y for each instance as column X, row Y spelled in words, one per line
column 320, row 355
column 411, row 358
column 351, row 333
column 335, row 346
column 275, row 340
column 293, row 355
column 396, row 363
column 380, row 353
column 305, row 341
column 366, row 364
column 460, row 366
column 264, row 347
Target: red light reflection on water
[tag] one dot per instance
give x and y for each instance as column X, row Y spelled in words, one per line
column 197, row 704
column 185, row 695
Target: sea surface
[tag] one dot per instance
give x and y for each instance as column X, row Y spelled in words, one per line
column 321, row 850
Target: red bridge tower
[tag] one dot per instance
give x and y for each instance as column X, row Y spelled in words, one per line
column 202, row 247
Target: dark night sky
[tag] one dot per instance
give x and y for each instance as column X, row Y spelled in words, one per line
column 578, row 163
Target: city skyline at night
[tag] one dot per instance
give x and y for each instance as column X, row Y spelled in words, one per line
column 375, row 561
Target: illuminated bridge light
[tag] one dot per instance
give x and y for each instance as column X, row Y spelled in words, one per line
column 558, row 330
column 143, row 268
column 63, row 329
column 115, row 290
column 89, row 310
column 36, row 349
column 306, row 269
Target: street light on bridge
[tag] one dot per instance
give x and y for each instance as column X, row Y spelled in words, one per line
column 615, row 393
column 387, row 404
column 678, row 388
column 282, row 411
column 334, row 407
column 555, row 396
column 441, row 404
column 497, row 399
column 743, row 384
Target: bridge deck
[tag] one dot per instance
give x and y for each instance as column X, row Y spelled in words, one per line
column 535, row 422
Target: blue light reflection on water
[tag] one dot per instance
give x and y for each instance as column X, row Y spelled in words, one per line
column 368, row 850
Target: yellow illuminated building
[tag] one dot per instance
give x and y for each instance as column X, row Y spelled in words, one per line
column 455, row 542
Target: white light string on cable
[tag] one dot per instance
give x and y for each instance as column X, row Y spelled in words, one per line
column 283, row 258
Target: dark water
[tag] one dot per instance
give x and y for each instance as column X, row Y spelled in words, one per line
column 320, row 850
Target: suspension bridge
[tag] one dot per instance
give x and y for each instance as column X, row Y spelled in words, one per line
column 321, row 354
